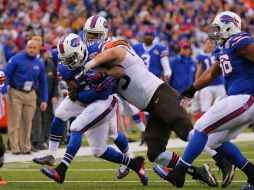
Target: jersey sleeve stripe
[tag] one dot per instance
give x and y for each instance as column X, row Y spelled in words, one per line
column 239, row 39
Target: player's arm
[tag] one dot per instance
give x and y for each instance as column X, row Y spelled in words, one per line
column 212, row 73
column 247, row 51
column 114, row 55
column 166, row 68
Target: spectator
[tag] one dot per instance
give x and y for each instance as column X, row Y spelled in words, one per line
column 183, row 68
column 10, row 48
column 25, row 73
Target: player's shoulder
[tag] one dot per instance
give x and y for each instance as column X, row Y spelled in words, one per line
column 239, row 40
column 111, row 44
column 200, row 57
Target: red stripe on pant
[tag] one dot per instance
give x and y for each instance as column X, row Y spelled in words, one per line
column 230, row 116
column 101, row 116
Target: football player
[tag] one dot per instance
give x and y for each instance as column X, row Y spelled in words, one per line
column 98, row 120
column 2, row 147
column 228, row 117
column 147, row 92
column 216, row 88
column 155, row 56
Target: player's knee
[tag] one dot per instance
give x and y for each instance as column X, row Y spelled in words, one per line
column 61, row 114
column 199, row 125
column 75, row 126
column 97, row 152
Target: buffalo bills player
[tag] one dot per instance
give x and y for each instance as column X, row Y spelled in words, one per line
column 97, row 120
column 229, row 116
column 155, row 56
column 207, row 96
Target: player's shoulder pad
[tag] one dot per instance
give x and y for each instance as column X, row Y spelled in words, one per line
column 240, row 39
column 116, row 43
column 65, row 73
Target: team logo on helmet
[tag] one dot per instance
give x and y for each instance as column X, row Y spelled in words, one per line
column 75, row 42
column 227, row 19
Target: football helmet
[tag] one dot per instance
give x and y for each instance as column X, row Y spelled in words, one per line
column 95, row 28
column 71, row 51
column 225, row 25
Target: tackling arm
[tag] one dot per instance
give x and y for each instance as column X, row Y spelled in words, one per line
column 115, row 54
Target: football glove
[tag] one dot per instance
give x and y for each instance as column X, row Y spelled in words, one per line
column 73, row 95
column 95, row 77
column 108, row 82
column 185, row 98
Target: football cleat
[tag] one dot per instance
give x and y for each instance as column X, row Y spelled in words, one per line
column 204, row 175
column 228, row 171
column 122, row 172
column 247, row 186
column 140, row 161
column 160, row 171
column 45, row 160
column 53, row 174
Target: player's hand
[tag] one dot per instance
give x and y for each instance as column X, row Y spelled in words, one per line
column 73, row 95
column 95, row 77
column 43, row 106
column 186, row 96
column 109, row 82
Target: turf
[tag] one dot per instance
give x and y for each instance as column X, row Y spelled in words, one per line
column 91, row 173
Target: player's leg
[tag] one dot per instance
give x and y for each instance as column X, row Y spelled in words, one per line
column 121, row 142
column 66, row 110
column 166, row 115
column 229, row 113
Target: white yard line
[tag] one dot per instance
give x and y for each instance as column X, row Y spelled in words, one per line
column 88, row 181
column 85, row 151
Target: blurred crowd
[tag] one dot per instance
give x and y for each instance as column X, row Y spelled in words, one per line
column 173, row 21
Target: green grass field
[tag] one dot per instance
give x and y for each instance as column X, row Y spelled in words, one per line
column 91, row 173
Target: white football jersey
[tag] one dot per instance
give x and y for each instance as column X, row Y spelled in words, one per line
column 139, row 84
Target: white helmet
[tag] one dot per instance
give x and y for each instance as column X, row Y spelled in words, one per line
column 224, row 26
column 96, row 25
column 2, row 79
column 71, row 50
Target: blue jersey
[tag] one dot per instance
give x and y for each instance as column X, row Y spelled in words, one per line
column 237, row 70
column 69, row 74
column 152, row 56
column 207, row 60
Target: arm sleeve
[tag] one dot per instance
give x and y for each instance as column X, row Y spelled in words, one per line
column 166, row 66
column 43, row 84
column 241, row 40
column 9, row 70
column 87, row 96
